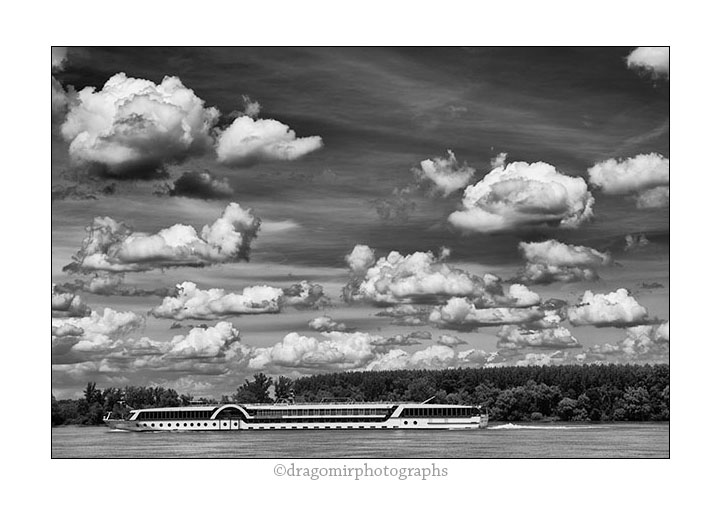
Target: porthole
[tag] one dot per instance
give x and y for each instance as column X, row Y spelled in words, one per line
column 185, row 424
column 214, row 424
column 405, row 422
column 177, row 424
column 205, row 424
column 414, row 423
column 137, row 424
column 161, row 424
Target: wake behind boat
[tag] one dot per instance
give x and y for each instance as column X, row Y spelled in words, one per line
column 284, row 416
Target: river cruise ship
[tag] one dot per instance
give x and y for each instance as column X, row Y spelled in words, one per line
column 295, row 416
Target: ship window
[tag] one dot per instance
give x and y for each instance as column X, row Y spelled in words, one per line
column 405, row 422
column 414, row 423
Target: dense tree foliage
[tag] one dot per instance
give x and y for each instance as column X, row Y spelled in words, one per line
column 567, row 392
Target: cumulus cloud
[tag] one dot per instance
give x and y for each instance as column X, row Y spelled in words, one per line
column 445, row 174
column 335, row 351
column 305, row 295
column 360, row 259
column 68, row 304
column 99, row 331
column 523, row 195
column 552, row 261
column 646, row 175
column 654, row 198
column 133, row 127
column 113, row 246
column 514, row 337
column 326, row 323
column 646, row 343
column 462, row 314
column 420, row 278
column 617, row 308
column 433, row 357
column 248, row 141
column 654, row 60
column 636, row 241
column 203, row 185
column 208, row 342
column 193, row 303
column 450, row 341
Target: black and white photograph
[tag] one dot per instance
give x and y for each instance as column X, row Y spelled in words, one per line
column 349, row 252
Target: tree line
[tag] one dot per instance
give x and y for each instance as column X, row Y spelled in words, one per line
column 565, row 392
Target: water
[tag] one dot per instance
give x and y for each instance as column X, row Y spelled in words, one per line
column 500, row 440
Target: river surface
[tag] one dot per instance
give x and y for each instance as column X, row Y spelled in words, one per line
column 499, row 440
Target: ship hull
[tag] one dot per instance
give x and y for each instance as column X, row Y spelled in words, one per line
column 478, row 422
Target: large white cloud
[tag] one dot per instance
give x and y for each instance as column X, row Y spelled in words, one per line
column 560, row 254
column 204, row 342
column 612, row 309
column 248, row 141
column 335, row 351
column 193, row 303
column 551, row 261
column 648, row 175
column 651, row 59
column 461, row 313
column 524, row 194
column 421, row 277
column 113, row 246
column 99, row 331
column 446, row 174
column 133, row 127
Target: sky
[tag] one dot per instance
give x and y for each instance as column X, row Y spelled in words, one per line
column 355, row 209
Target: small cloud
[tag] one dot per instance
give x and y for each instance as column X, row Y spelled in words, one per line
column 325, row 324
column 67, row 304
column 305, row 295
column 652, row 60
column 202, row 185
column 450, row 341
column 446, row 175
column 514, row 337
column 248, row 141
